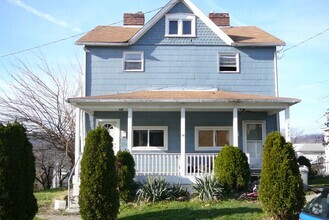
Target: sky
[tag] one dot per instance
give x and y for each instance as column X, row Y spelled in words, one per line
column 303, row 69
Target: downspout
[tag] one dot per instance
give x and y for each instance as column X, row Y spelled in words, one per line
column 276, row 79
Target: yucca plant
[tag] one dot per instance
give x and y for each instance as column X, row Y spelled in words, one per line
column 179, row 192
column 154, row 189
column 208, row 188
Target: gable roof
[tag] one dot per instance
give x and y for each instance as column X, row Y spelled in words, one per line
column 242, row 36
column 194, row 9
column 251, row 35
column 124, row 36
column 108, row 35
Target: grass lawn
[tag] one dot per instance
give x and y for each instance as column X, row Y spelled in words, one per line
column 230, row 209
column 46, row 199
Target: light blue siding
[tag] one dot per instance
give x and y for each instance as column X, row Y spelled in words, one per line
column 180, row 66
column 193, row 119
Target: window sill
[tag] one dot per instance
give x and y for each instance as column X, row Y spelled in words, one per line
column 208, row 148
column 180, row 36
column 149, row 148
column 229, row 72
column 133, row 70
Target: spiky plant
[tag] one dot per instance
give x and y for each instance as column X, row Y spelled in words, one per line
column 154, row 189
column 208, row 188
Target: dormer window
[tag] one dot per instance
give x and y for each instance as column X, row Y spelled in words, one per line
column 180, row 25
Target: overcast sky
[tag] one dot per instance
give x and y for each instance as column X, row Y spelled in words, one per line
column 303, row 70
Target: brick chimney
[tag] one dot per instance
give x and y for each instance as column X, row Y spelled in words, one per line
column 133, row 19
column 220, row 19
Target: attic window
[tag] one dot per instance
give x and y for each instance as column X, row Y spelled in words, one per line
column 133, row 61
column 180, row 25
column 228, row 62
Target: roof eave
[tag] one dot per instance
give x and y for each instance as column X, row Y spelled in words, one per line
column 257, row 44
column 101, row 44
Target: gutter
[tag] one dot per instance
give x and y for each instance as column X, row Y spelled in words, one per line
column 257, row 44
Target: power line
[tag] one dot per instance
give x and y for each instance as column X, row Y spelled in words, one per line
column 66, row 38
column 304, row 41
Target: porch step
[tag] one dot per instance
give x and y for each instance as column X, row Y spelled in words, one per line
column 255, row 172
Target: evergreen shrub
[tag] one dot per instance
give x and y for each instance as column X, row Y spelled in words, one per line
column 99, row 198
column 281, row 186
column 125, row 166
column 17, row 174
column 232, row 169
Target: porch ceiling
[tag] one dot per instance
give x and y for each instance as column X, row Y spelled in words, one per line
column 192, row 100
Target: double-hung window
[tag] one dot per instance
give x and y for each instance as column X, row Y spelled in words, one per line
column 133, row 61
column 180, row 25
column 212, row 138
column 228, row 62
column 150, row 137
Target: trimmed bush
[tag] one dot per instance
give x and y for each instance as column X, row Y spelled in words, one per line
column 208, row 188
column 232, row 169
column 281, row 186
column 125, row 166
column 17, row 174
column 99, row 198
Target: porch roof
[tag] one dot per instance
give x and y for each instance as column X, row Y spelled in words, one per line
column 197, row 99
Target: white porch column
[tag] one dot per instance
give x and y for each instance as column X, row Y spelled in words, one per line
column 235, row 128
column 77, row 146
column 130, row 129
column 182, row 143
column 287, row 125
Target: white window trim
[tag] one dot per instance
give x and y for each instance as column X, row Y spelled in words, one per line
column 200, row 128
column 180, row 18
column 133, row 52
column 237, row 57
column 244, row 131
column 151, row 148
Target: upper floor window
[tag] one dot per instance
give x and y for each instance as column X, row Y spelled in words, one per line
column 133, row 61
column 180, row 25
column 228, row 62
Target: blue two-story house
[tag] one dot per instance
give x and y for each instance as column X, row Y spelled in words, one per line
column 177, row 89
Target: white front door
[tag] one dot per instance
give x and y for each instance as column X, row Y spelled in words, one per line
column 113, row 127
column 254, row 134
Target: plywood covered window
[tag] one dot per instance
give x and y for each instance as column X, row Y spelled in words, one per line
column 212, row 138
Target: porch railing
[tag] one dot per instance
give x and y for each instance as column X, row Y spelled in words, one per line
column 169, row 163
column 200, row 164
column 157, row 163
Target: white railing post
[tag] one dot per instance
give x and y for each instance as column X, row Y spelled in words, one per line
column 130, row 129
column 287, row 125
column 182, row 143
column 235, row 128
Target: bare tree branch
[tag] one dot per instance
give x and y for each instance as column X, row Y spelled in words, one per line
column 37, row 99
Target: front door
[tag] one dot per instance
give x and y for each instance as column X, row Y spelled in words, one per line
column 254, row 133
column 113, row 127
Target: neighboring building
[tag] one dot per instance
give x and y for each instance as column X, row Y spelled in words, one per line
column 312, row 151
column 326, row 145
column 177, row 89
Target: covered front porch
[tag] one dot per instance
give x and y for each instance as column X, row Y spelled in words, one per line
column 179, row 133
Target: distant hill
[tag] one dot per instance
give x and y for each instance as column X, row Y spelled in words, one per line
column 308, row 138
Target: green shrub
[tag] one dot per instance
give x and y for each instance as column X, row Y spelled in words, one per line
column 156, row 189
column 17, row 174
column 232, row 169
column 208, row 188
column 125, row 166
column 281, row 187
column 99, row 198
